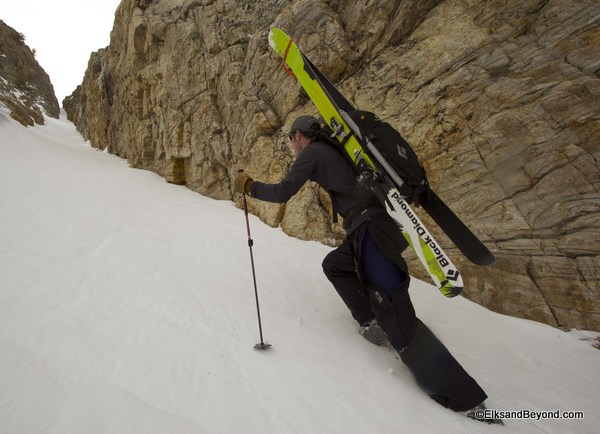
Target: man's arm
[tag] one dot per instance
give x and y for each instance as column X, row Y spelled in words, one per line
column 289, row 186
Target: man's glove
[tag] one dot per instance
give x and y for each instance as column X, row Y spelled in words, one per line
column 243, row 182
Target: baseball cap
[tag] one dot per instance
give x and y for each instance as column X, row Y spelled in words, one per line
column 304, row 124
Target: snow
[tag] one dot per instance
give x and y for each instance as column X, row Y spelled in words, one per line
column 127, row 305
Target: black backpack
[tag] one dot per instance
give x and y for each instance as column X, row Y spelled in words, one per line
column 393, row 148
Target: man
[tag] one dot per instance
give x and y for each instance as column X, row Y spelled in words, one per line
column 368, row 270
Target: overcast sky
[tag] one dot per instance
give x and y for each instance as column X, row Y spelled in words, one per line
column 63, row 33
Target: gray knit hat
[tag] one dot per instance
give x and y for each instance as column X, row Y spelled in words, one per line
column 305, row 124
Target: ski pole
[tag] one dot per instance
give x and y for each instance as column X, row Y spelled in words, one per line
column 261, row 345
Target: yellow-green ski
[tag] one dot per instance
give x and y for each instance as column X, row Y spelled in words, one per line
column 443, row 273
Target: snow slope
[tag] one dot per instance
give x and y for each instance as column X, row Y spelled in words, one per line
column 127, row 305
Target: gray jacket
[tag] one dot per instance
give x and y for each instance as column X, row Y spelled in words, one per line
column 322, row 163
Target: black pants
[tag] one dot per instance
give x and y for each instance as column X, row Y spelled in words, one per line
column 435, row 369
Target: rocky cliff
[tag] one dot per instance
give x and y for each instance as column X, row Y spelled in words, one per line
column 25, row 88
column 499, row 99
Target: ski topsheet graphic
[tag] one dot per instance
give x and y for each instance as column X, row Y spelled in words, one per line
column 334, row 109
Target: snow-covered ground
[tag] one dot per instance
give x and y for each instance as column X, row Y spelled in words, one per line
column 127, row 305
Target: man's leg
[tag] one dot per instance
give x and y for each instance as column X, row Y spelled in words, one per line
column 340, row 269
column 434, row 368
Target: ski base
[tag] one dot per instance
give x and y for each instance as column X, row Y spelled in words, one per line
column 467, row 242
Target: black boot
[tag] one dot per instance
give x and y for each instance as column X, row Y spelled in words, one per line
column 482, row 414
column 439, row 373
column 373, row 333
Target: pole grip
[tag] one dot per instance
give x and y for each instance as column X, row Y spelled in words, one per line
column 245, row 204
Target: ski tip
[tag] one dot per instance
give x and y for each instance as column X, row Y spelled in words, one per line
column 271, row 39
column 276, row 34
column 262, row 346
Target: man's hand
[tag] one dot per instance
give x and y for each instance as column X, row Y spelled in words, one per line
column 243, row 182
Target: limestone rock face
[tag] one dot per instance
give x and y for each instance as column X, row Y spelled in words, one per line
column 498, row 98
column 25, row 88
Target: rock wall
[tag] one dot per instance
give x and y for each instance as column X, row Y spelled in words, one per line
column 25, row 88
column 499, row 99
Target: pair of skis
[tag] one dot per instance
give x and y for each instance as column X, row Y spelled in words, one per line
column 334, row 109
